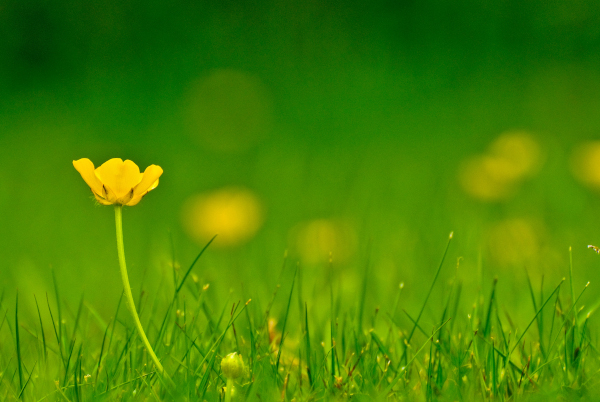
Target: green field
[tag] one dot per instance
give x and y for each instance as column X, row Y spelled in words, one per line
column 332, row 147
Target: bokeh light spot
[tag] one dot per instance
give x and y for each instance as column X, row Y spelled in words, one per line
column 522, row 153
column 228, row 111
column 496, row 174
column 513, row 242
column 585, row 163
column 233, row 214
column 319, row 240
column 483, row 177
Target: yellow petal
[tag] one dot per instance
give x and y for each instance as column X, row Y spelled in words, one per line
column 102, row 200
column 137, row 198
column 149, row 181
column 126, row 198
column 109, row 195
column 85, row 167
column 119, row 176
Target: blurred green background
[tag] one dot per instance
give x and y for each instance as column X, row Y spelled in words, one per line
column 356, row 128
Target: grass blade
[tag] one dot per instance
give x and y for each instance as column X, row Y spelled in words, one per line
column 309, row 368
column 287, row 311
column 487, row 328
column 572, row 286
column 565, row 320
column 100, row 356
column 405, row 368
column 56, row 333
column 112, row 332
column 77, row 317
column 363, row 292
column 27, row 382
column 19, row 360
column 535, row 318
column 193, row 263
column 42, row 327
column 57, row 294
column 412, row 332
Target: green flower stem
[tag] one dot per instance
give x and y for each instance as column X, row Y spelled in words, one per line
column 229, row 390
column 129, row 296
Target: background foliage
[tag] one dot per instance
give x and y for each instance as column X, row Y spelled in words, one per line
column 346, row 124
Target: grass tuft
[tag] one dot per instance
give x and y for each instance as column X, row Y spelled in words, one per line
column 460, row 345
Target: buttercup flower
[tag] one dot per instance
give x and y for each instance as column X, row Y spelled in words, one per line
column 118, row 182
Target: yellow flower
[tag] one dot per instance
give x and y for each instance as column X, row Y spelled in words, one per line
column 321, row 239
column 496, row 175
column 234, row 214
column 118, row 182
column 585, row 163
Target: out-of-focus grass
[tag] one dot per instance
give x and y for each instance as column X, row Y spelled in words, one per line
column 304, row 347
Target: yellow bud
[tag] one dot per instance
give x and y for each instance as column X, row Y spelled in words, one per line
column 232, row 366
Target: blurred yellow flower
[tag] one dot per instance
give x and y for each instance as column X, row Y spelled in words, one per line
column 514, row 242
column 496, row 174
column 585, row 163
column 228, row 111
column 521, row 153
column 233, row 214
column 319, row 239
column 118, row 182
column 484, row 177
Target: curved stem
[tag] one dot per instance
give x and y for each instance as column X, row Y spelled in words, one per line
column 129, row 296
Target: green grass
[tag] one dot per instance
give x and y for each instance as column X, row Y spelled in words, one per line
column 463, row 349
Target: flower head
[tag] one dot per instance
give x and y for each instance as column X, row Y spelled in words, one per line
column 232, row 366
column 118, row 182
column 234, row 214
column 496, row 174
